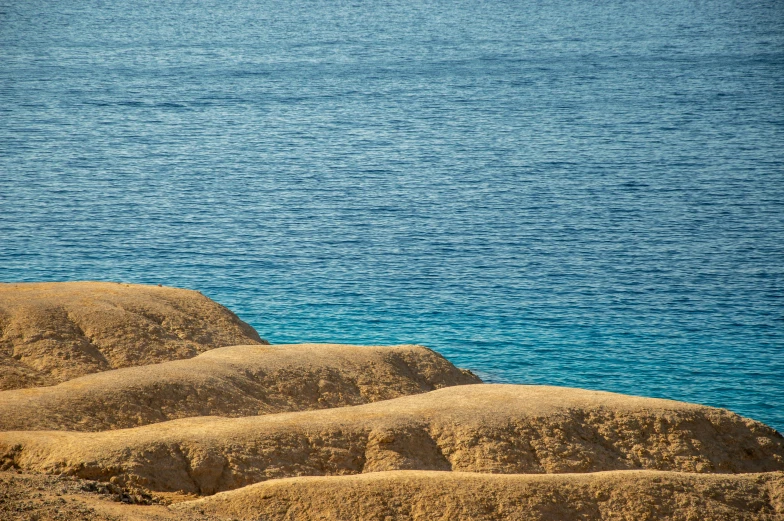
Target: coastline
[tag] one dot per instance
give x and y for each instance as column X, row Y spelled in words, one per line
column 333, row 431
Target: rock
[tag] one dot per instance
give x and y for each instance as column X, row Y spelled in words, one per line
column 459, row 496
column 509, row 429
column 53, row 332
column 320, row 431
column 231, row 381
column 28, row 497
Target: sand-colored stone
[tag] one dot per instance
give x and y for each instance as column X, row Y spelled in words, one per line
column 32, row 497
column 420, row 496
column 231, row 381
column 53, row 332
column 454, row 496
column 471, row 428
column 545, row 453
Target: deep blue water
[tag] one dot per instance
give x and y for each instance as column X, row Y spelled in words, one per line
column 560, row 192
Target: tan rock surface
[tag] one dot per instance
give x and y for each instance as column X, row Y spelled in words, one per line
column 231, row 381
column 53, row 332
column 471, row 428
column 542, row 449
column 419, row 496
column 30, row 497
column 453, row 496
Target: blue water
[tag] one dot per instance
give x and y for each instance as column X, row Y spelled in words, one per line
column 559, row 192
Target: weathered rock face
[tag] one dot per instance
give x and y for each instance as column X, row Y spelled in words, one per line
column 383, row 433
column 473, row 428
column 53, row 332
column 453, row 496
column 28, row 497
column 231, row 381
column 418, row 496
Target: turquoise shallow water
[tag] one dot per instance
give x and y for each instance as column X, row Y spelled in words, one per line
column 575, row 193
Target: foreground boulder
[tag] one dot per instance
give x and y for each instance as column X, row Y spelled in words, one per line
column 231, row 381
column 53, row 332
column 472, row 428
column 453, row 496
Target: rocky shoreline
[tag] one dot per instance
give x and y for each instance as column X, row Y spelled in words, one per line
column 129, row 402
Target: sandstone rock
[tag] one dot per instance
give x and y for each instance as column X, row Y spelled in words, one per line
column 457, row 496
column 231, row 381
column 208, row 419
column 53, row 332
column 419, row 496
column 31, row 497
column 472, row 428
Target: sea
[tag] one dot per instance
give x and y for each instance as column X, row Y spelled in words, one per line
column 561, row 192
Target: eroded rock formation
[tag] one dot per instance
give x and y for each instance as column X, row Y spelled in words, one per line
column 53, row 332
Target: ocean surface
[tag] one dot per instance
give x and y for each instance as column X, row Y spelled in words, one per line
column 574, row 193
